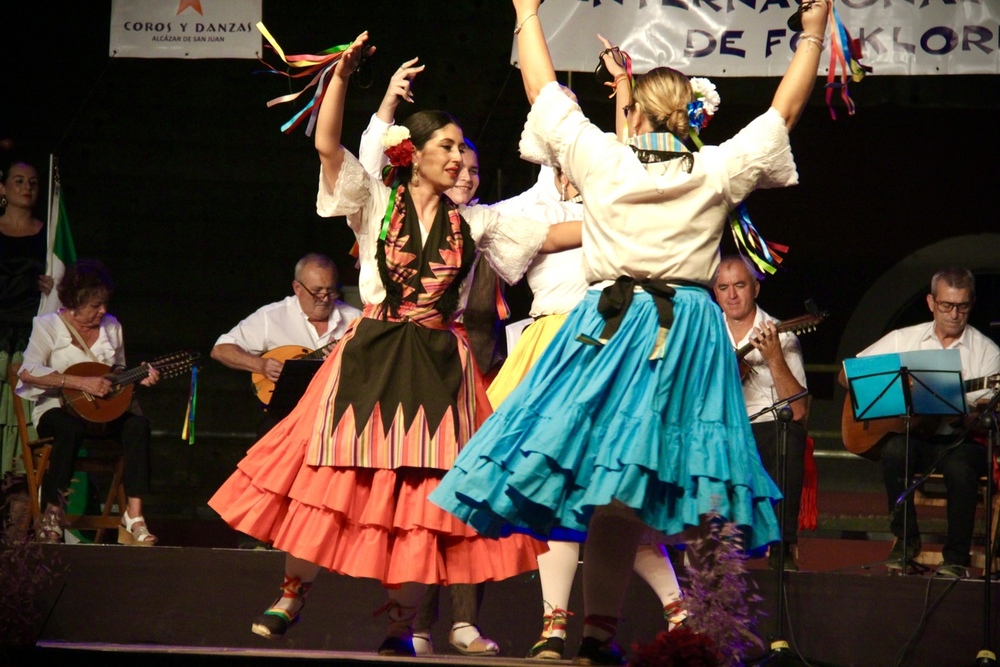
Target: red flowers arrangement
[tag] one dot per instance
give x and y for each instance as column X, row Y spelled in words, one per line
column 681, row 648
column 400, row 155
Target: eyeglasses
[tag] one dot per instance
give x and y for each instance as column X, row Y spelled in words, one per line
column 948, row 306
column 620, row 57
column 320, row 294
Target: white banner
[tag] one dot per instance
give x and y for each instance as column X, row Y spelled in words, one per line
column 751, row 37
column 185, row 29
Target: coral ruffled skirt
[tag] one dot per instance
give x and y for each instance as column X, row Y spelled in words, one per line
column 362, row 522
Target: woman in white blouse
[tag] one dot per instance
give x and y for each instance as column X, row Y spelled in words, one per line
column 83, row 331
column 634, row 410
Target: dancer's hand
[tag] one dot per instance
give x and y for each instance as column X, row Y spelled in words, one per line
column 400, row 85
column 351, row 57
column 615, row 66
column 814, row 16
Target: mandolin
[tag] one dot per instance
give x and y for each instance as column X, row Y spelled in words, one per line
column 796, row 325
column 263, row 387
column 866, row 437
column 103, row 409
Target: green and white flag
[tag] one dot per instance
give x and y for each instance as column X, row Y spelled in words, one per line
column 61, row 251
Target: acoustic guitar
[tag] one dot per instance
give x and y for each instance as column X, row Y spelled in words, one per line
column 866, row 437
column 103, row 409
column 796, row 325
column 262, row 386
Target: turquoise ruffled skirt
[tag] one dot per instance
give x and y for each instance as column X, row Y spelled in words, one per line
column 667, row 437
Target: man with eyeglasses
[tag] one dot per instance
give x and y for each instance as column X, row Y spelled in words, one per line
column 313, row 317
column 953, row 293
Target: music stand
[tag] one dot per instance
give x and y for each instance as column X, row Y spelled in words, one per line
column 906, row 384
column 296, row 374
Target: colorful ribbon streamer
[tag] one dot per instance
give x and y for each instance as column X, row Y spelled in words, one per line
column 318, row 66
column 748, row 240
column 187, row 432
column 845, row 54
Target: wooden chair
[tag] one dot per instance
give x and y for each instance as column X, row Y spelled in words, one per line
column 932, row 494
column 34, row 452
column 98, row 456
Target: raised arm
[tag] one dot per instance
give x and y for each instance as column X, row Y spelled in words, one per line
column 620, row 85
column 330, row 121
column 371, row 152
column 532, row 51
column 797, row 84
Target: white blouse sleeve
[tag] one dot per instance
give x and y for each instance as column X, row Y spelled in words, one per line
column 759, row 156
column 370, row 152
column 43, row 340
column 509, row 243
column 557, row 133
column 355, row 193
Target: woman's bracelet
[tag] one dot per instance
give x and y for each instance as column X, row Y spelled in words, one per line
column 815, row 39
column 517, row 28
column 621, row 76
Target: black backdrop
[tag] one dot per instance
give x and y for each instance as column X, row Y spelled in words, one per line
column 176, row 174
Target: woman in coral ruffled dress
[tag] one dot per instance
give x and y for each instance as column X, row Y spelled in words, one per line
column 342, row 482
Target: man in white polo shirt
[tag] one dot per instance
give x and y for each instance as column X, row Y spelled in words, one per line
column 313, row 318
column 953, row 293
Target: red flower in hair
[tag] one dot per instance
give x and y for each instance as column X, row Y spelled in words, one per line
column 400, row 155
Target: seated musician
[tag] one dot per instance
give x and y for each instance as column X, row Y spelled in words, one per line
column 953, row 293
column 313, row 318
column 83, row 331
column 773, row 371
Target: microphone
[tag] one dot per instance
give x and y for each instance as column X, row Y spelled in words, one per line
column 785, row 402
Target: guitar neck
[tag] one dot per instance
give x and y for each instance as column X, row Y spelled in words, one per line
column 318, row 354
column 131, row 376
column 803, row 322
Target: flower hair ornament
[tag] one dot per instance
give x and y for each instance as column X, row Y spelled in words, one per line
column 399, row 149
column 748, row 240
column 706, row 103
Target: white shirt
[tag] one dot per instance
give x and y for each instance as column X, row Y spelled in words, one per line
column 653, row 221
column 758, row 387
column 51, row 350
column 284, row 323
column 556, row 280
column 980, row 355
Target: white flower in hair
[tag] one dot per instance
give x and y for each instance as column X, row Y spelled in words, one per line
column 395, row 135
column 705, row 91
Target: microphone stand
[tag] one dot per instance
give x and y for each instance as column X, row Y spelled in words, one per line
column 986, row 656
column 779, row 653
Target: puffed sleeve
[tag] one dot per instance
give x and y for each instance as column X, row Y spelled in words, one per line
column 509, row 243
column 557, row 133
column 370, row 152
column 354, row 190
column 759, row 156
column 37, row 355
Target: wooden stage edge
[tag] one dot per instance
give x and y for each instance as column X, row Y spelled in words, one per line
column 193, row 606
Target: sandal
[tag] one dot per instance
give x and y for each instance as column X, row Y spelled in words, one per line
column 274, row 623
column 551, row 646
column 133, row 534
column 676, row 615
column 422, row 643
column 478, row 646
column 399, row 641
column 49, row 526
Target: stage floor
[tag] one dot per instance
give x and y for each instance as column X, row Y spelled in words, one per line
column 193, row 606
